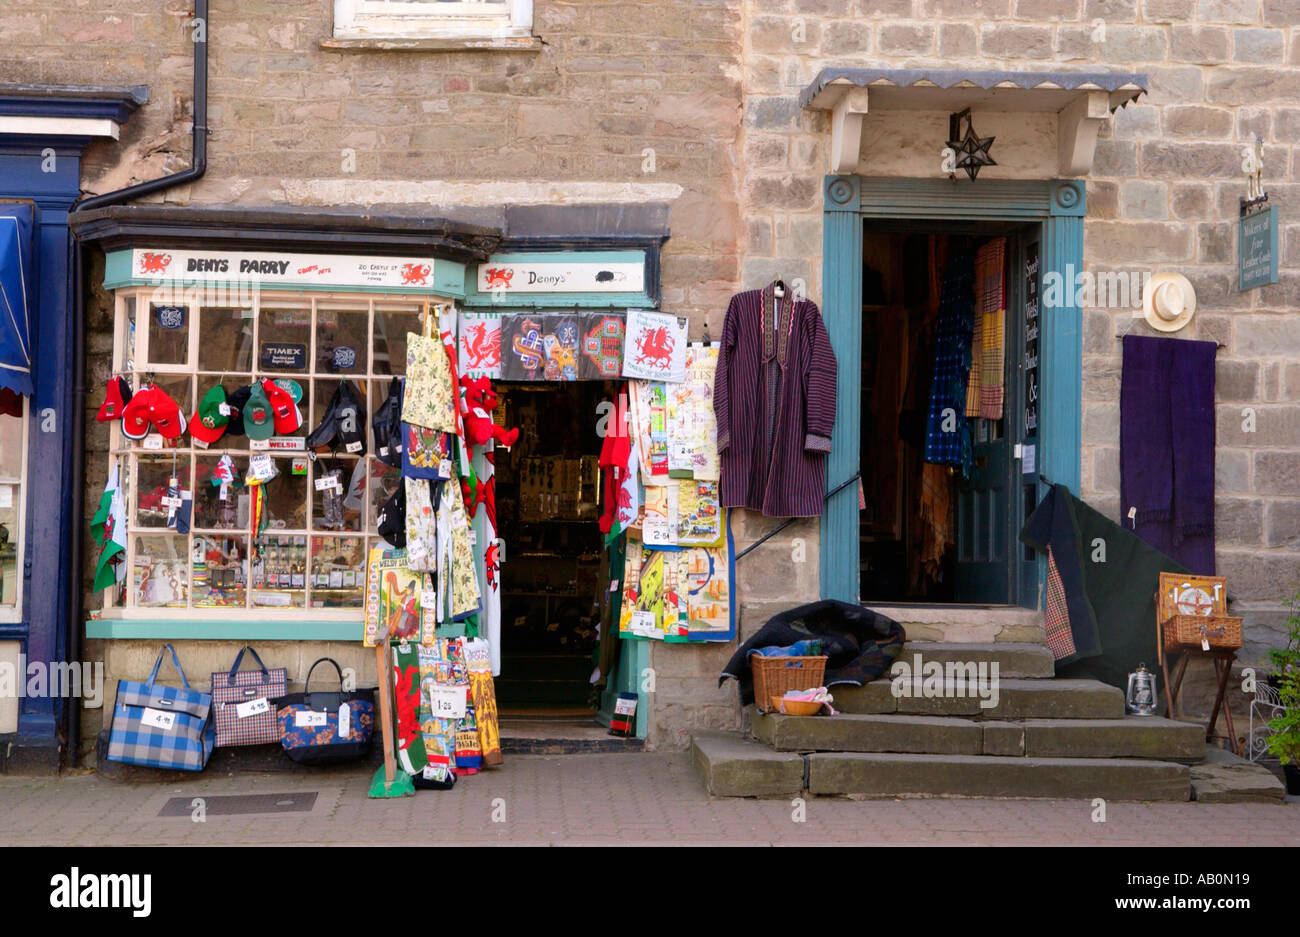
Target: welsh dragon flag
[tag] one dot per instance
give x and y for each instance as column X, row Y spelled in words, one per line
column 108, row 527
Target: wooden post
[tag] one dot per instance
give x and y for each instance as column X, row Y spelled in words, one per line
column 386, row 711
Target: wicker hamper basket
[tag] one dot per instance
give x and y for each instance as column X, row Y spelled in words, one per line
column 1193, row 611
column 774, row 676
column 1186, row 632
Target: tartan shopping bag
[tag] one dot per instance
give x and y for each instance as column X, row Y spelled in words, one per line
column 161, row 726
column 325, row 728
column 243, row 702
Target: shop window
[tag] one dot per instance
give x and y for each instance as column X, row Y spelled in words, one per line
column 13, row 463
column 320, row 514
column 432, row 19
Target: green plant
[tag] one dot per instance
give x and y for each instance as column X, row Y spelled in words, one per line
column 1285, row 740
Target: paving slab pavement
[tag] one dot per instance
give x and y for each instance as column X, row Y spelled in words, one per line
column 597, row 799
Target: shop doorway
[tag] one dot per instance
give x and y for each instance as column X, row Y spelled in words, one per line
column 558, row 648
column 948, row 481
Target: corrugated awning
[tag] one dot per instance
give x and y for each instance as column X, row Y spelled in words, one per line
column 17, row 295
column 1081, row 99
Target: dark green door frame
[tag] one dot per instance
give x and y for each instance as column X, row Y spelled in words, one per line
column 1059, row 206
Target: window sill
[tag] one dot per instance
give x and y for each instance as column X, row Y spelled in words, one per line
column 520, row 43
column 189, row 629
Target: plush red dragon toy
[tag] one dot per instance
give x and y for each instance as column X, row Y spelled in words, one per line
column 481, row 400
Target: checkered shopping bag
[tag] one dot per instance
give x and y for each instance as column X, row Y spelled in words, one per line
column 244, row 701
column 161, row 726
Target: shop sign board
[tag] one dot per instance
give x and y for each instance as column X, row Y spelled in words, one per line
column 561, row 277
column 1257, row 249
column 279, row 269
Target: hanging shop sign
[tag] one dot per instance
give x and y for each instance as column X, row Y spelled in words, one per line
column 561, row 277
column 338, row 270
column 1257, row 249
column 1030, row 369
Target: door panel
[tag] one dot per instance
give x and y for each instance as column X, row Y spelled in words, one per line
column 983, row 519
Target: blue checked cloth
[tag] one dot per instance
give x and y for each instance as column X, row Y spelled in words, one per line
column 952, row 360
column 161, row 726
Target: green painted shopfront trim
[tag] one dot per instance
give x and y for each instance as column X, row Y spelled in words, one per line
column 1059, row 206
column 187, row 629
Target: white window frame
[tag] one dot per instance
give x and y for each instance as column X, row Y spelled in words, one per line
column 15, row 612
column 401, row 19
column 131, row 358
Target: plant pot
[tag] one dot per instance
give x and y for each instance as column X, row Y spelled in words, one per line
column 1292, row 772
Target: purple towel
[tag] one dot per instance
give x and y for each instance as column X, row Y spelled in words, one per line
column 1167, row 446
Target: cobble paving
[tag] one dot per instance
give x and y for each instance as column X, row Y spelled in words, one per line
column 642, row 798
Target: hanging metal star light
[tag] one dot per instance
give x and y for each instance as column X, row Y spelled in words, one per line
column 971, row 149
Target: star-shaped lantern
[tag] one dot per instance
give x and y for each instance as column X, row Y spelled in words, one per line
column 972, row 150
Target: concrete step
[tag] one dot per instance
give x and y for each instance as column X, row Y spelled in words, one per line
column 903, row 775
column 1131, row 737
column 1014, row 659
column 732, row 766
column 1014, row 699
column 966, row 624
column 1224, row 778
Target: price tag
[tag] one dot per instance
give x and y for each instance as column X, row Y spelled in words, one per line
column 444, row 468
column 329, row 481
column 657, row 532
column 624, row 707
column 171, row 502
column 174, row 482
column 198, row 443
column 473, row 538
column 259, row 445
column 355, row 446
column 383, row 452
column 252, row 708
column 158, row 719
column 224, row 409
column 152, row 441
column 261, row 468
column 613, row 585
column 345, row 721
column 1205, row 644
column 305, row 717
column 643, row 623
column 223, row 493
column 447, row 702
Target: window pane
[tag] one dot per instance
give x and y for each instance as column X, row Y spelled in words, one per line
column 153, row 479
column 286, row 498
column 284, row 339
column 338, row 507
column 279, row 572
column 341, row 340
column 383, row 485
column 161, row 572
column 220, row 571
column 169, row 333
column 226, row 340
column 11, row 496
column 390, row 339
column 338, row 572
column 211, row 512
column 177, row 387
column 126, row 348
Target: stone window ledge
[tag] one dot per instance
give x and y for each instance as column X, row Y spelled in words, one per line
column 435, row 44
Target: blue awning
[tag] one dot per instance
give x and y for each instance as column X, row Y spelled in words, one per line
column 17, row 295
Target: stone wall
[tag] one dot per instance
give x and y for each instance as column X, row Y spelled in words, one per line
column 1162, row 196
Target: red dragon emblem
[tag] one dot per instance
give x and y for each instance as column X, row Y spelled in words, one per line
column 655, row 347
column 498, row 278
column 416, row 273
column 491, row 563
column 154, row 263
column 481, row 352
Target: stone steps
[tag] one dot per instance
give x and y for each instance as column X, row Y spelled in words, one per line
column 1015, row 660
column 731, row 766
column 1016, row 699
column 1130, row 737
column 902, row 775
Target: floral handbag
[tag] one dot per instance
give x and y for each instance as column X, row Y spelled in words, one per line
column 326, row 728
column 429, row 397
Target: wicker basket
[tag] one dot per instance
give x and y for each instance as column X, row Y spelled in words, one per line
column 1187, row 632
column 774, row 676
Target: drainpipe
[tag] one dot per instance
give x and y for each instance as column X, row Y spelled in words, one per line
column 198, row 166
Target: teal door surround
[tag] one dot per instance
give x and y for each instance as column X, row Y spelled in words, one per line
column 1058, row 205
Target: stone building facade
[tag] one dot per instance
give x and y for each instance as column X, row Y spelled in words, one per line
column 695, row 104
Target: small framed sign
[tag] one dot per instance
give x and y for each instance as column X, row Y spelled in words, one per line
column 1257, row 249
